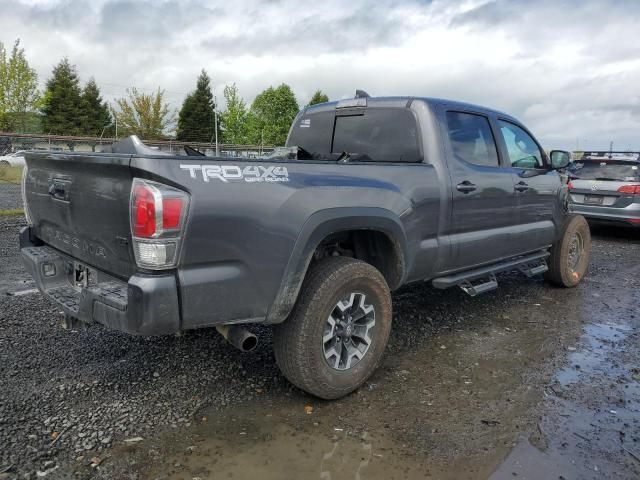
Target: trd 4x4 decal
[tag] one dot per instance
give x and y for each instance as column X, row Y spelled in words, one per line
column 227, row 173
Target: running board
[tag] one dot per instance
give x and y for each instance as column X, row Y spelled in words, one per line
column 483, row 279
column 484, row 285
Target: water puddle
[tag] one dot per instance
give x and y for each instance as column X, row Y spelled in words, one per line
column 598, row 341
column 278, row 446
column 592, row 420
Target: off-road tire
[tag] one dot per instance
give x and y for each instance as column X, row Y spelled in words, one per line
column 298, row 341
column 560, row 272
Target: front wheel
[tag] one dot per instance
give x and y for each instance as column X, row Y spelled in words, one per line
column 570, row 253
column 338, row 330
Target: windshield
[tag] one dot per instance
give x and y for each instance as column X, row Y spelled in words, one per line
column 605, row 170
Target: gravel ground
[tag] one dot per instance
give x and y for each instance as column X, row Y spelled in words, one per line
column 10, row 196
column 68, row 393
column 71, row 396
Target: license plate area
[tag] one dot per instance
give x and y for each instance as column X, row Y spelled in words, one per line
column 593, row 199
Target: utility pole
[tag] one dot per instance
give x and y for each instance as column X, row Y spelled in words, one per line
column 215, row 113
column 115, row 118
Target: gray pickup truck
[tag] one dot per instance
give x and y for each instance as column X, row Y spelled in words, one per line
column 369, row 194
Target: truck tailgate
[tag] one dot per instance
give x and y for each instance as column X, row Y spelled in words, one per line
column 79, row 204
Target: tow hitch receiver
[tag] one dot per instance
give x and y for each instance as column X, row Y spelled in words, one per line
column 83, row 276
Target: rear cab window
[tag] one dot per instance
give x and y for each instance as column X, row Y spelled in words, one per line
column 471, row 139
column 366, row 135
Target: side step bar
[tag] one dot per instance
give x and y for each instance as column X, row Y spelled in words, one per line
column 484, row 285
column 483, row 279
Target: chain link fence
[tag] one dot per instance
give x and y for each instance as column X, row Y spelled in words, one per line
column 12, row 142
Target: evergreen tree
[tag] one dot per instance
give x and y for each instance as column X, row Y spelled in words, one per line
column 234, row 119
column 196, row 120
column 61, row 109
column 271, row 115
column 318, row 97
column 95, row 115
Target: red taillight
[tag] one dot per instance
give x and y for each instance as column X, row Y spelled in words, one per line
column 150, row 201
column 158, row 214
column 144, row 208
column 570, row 185
column 171, row 213
column 630, row 189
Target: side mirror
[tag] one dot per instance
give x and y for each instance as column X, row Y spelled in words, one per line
column 559, row 159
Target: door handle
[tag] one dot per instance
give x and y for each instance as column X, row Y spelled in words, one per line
column 465, row 187
column 521, row 187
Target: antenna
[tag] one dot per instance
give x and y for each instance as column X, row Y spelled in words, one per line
column 362, row 94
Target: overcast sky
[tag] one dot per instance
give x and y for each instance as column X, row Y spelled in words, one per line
column 570, row 70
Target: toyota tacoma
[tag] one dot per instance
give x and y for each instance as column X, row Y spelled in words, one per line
column 367, row 195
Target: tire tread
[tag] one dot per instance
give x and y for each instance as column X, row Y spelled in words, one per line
column 293, row 337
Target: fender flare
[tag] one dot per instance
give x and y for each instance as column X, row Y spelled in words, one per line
column 317, row 227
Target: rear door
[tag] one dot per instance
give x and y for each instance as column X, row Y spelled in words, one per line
column 483, row 200
column 536, row 187
column 79, row 204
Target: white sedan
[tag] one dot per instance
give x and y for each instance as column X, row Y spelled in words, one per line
column 15, row 159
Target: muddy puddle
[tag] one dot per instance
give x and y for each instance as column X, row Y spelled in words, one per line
column 591, row 413
column 451, row 406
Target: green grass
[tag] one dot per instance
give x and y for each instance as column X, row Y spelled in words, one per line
column 10, row 174
column 14, row 211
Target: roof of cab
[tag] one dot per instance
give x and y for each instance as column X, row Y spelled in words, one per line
column 405, row 101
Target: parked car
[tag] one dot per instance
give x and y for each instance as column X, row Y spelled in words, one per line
column 380, row 192
column 605, row 187
column 13, row 159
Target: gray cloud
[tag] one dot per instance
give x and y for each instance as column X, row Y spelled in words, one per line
column 356, row 32
column 568, row 69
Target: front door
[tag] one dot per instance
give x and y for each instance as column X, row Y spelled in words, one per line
column 483, row 196
column 536, row 188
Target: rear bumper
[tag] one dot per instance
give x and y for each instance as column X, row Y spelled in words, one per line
column 144, row 305
column 629, row 215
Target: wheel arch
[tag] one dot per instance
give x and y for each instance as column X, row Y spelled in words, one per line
column 369, row 222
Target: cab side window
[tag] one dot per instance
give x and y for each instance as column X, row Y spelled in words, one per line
column 522, row 150
column 471, row 139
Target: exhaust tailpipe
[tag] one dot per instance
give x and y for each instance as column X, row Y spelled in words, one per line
column 239, row 337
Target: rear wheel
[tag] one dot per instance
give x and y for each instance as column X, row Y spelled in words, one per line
column 335, row 337
column 570, row 253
